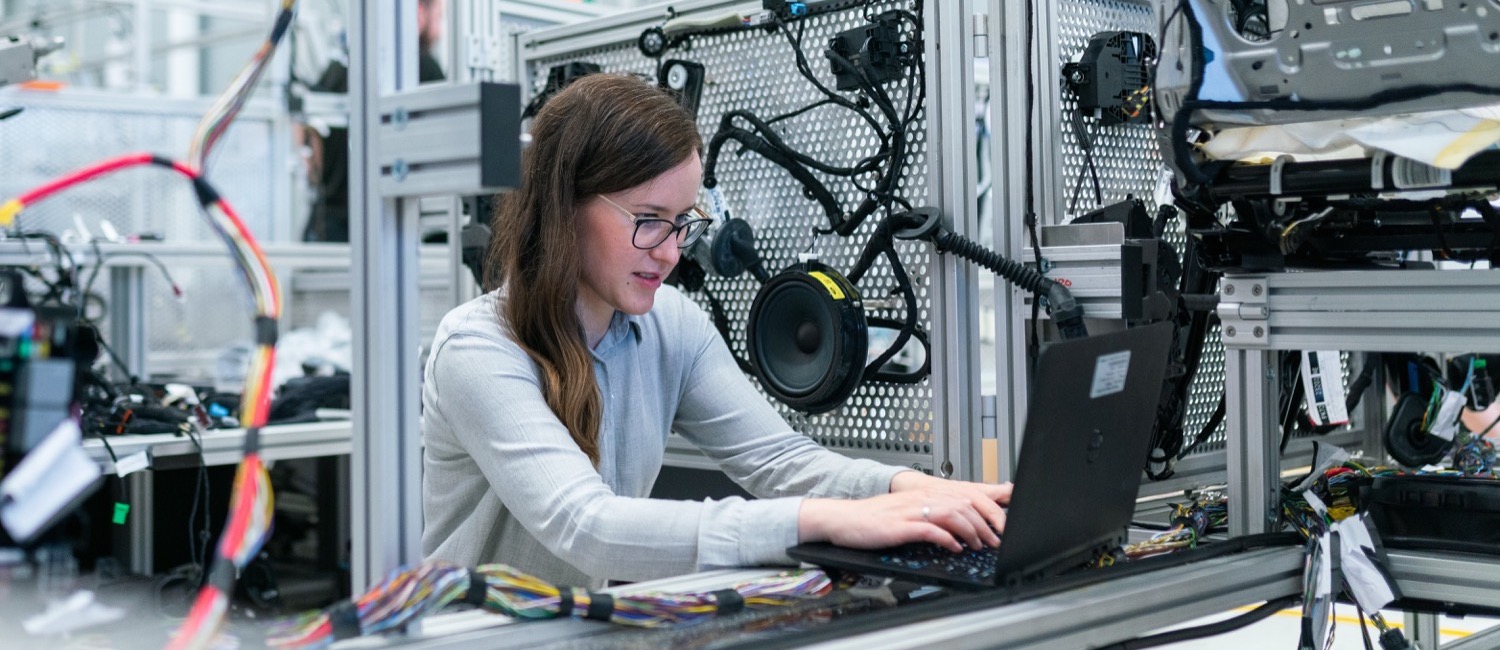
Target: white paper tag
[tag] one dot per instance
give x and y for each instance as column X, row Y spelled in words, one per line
column 1316, row 504
column 716, row 207
column 133, row 463
column 1322, row 377
column 1109, row 374
column 1371, row 589
column 1325, row 567
column 45, row 481
column 1445, row 424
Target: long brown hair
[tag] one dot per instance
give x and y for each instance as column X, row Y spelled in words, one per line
column 604, row 133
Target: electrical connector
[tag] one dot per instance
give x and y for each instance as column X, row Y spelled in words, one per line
column 1392, row 639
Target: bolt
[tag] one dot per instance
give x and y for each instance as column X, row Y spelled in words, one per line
column 399, row 169
column 1228, row 289
column 1255, row 290
column 1229, row 331
column 1260, row 331
column 400, row 118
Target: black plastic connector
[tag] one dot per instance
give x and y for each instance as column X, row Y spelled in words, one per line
column 875, row 47
column 1114, row 76
column 1392, row 639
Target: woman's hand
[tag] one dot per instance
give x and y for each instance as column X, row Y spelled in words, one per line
column 986, row 498
column 951, row 514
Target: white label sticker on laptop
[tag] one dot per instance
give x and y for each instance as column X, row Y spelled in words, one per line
column 1109, row 374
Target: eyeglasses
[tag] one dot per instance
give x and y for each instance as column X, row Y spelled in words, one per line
column 651, row 232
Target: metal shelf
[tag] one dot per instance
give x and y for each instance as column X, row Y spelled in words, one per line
column 226, row 446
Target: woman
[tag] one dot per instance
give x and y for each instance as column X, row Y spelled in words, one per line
column 548, row 400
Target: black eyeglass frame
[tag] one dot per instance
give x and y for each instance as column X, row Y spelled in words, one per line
column 690, row 226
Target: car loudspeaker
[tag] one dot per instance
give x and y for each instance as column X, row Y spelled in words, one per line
column 1406, row 440
column 807, row 337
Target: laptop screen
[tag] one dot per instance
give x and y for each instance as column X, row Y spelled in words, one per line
column 1088, row 428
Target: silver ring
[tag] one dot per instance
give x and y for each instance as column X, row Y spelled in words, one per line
column 926, row 513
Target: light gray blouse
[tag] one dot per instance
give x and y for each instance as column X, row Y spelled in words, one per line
column 504, row 482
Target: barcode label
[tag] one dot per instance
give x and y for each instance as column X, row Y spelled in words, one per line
column 1407, row 174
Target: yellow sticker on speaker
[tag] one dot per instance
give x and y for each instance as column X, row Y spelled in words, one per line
column 829, row 284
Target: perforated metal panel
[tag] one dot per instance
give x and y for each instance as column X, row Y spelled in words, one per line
column 1127, row 160
column 755, row 71
column 1126, row 156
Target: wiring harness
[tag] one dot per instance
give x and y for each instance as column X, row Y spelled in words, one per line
column 1190, row 522
column 407, row 595
column 894, row 132
column 251, row 503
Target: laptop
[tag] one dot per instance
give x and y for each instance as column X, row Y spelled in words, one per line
column 1088, row 430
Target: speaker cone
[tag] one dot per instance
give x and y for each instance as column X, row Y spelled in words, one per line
column 1405, row 438
column 807, row 337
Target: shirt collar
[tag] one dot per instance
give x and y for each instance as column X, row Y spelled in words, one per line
column 621, row 325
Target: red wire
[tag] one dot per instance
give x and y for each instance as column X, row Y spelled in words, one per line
column 74, row 178
column 201, row 606
column 245, row 501
column 263, row 399
column 239, row 225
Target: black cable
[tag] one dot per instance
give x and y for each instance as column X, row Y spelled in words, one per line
column 799, row 111
column 806, row 70
column 1034, row 340
column 1066, row 313
column 100, row 258
column 1214, row 420
column 863, row 74
column 116, row 461
column 199, row 552
column 63, row 266
column 764, row 130
column 1034, row 345
column 1188, row 341
column 810, row 184
column 914, row 376
column 893, row 149
column 1292, row 393
column 1212, row 629
column 721, row 323
column 882, row 242
column 1364, row 632
column 1085, row 143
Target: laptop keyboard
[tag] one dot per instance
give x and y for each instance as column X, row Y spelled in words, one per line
column 971, row 564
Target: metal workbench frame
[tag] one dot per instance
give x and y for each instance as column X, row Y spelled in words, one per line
column 1370, row 310
column 1377, row 311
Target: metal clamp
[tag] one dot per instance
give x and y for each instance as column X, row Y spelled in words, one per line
column 1243, row 312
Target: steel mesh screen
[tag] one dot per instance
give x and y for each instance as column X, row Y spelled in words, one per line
column 756, row 71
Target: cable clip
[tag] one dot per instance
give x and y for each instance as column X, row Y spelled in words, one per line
column 1276, row 171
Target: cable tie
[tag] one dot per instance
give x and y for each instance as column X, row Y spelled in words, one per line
column 344, row 618
column 222, row 575
column 265, row 331
column 206, row 194
column 564, row 602
column 729, row 601
column 601, row 606
column 479, row 589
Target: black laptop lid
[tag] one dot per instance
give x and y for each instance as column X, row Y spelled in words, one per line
column 1088, row 426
